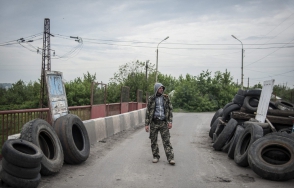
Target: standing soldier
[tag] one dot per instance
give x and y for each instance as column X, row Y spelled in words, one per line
column 159, row 116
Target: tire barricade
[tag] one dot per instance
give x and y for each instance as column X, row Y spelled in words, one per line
column 21, row 164
column 41, row 149
column 268, row 148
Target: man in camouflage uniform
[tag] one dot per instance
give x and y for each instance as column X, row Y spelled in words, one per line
column 159, row 116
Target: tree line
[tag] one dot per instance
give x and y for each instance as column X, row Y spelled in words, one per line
column 200, row 93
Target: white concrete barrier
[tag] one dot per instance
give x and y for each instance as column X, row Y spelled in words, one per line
column 108, row 126
column 100, row 129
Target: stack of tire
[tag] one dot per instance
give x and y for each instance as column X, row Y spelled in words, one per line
column 21, row 164
column 66, row 141
column 250, row 143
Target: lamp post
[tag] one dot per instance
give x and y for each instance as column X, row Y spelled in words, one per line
column 242, row 62
column 157, row 58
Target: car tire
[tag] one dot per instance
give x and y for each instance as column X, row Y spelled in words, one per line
column 225, row 135
column 19, row 182
column 216, row 115
column 268, row 169
column 213, row 127
column 227, row 111
column 20, row 172
column 253, row 92
column 238, row 131
column 22, row 153
column 247, row 105
column 73, row 137
column 41, row 133
column 250, row 134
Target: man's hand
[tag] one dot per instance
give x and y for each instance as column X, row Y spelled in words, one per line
column 170, row 125
column 146, row 128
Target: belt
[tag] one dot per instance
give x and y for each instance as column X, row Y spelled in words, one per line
column 157, row 120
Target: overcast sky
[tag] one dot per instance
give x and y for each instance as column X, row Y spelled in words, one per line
column 118, row 32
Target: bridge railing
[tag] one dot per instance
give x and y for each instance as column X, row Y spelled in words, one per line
column 12, row 120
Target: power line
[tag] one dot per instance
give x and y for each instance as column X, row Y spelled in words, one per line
column 266, row 55
column 87, row 40
column 29, row 37
column 175, row 48
column 274, row 29
column 276, row 74
column 202, row 44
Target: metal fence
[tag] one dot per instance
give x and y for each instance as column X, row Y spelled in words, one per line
column 125, row 94
column 13, row 120
column 99, row 93
column 139, row 95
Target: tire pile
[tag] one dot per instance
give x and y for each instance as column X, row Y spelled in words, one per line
column 42, row 149
column 268, row 148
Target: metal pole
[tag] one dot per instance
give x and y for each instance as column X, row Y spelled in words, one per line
column 241, row 61
column 157, row 58
column 242, row 69
column 156, row 64
column 45, row 55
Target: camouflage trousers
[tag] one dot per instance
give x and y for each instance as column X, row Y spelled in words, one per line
column 161, row 126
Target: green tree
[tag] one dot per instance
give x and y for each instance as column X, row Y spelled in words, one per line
column 78, row 92
column 189, row 94
column 133, row 75
column 223, row 89
column 204, row 92
column 113, row 92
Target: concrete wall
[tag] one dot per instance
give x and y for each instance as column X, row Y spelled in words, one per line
column 101, row 128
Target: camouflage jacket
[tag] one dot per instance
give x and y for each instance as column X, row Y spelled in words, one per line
column 151, row 108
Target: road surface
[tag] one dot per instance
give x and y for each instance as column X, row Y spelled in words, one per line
column 125, row 160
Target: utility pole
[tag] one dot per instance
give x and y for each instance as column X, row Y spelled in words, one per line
column 241, row 61
column 248, row 83
column 157, row 59
column 146, row 83
column 46, row 57
column 146, row 68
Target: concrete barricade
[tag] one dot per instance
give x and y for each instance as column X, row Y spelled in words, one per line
column 101, row 128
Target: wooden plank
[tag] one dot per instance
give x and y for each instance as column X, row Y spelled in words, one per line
column 273, row 119
column 283, row 113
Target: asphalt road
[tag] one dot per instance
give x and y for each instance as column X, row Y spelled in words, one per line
column 125, row 160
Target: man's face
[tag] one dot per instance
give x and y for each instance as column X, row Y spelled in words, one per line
column 160, row 90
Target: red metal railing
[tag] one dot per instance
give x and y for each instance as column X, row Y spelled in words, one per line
column 13, row 120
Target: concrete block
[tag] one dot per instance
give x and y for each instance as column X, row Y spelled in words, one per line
column 127, row 119
column 140, row 116
column 132, row 119
column 136, row 118
column 100, row 128
column 116, row 124
column 143, row 112
column 122, row 122
column 109, row 126
column 90, row 126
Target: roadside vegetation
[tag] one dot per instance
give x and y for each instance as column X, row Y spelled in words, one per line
column 189, row 93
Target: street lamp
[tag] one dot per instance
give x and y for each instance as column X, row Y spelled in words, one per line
column 242, row 62
column 157, row 58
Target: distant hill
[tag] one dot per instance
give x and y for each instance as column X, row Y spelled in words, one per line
column 5, row 85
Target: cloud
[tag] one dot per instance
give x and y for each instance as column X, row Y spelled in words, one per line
column 199, row 36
